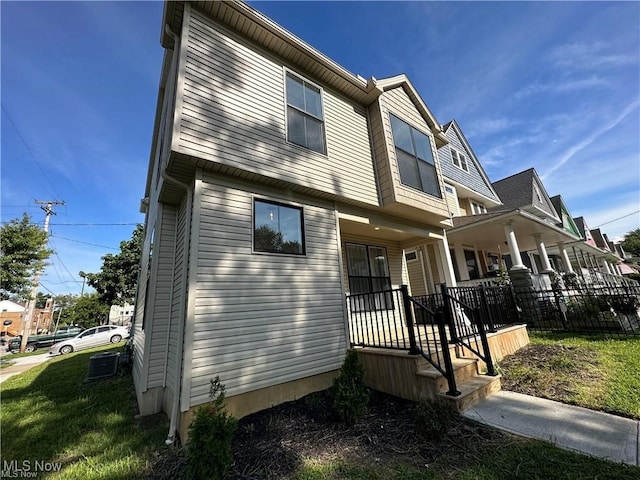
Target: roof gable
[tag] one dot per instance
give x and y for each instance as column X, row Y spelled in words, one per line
column 476, row 178
column 403, row 81
column 525, row 190
column 566, row 221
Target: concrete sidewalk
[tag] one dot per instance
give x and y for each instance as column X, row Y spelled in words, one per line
column 21, row 364
column 572, row 428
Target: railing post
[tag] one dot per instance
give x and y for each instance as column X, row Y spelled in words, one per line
column 446, row 353
column 409, row 320
column 485, row 349
column 448, row 314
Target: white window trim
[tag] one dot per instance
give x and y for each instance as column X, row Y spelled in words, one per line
column 411, row 251
column 477, row 208
column 285, row 72
column 459, row 154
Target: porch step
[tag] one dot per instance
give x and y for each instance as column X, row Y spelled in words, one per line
column 464, row 368
column 473, row 391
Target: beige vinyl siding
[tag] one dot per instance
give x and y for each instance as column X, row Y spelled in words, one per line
column 465, row 206
column 416, row 279
column 139, row 336
column 452, row 201
column 262, row 319
column 397, row 102
column 432, row 254
column 164, row 250
column 174, row 363
column 233, row 112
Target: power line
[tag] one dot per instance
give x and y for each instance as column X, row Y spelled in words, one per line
column 86, row 243
column 30, row 152
column 619, row 218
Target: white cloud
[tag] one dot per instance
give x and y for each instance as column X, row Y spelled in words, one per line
column 572, row 150
column 559, row 87
column 588, row 56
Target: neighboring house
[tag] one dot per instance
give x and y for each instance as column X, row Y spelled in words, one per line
column 121, row 314
column 278, row 182
column 513, row 233
column 11, row 315
column 469, row 192
column 594, row 253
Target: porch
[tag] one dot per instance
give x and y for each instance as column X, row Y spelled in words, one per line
column 434, row 345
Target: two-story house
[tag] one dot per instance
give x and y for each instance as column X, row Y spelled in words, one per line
column 278, row 182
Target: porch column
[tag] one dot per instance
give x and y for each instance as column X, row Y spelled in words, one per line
column 514, row 250
column 606, row 267
column 542, row 251
column 565, row 258
column 442, row 250
column 461, row 261
column 532, row 261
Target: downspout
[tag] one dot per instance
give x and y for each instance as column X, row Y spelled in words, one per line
column 171, row 436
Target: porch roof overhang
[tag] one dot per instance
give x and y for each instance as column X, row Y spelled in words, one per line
column 486, row 231
column 577, row 248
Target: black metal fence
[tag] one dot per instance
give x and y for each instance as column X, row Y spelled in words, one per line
column 606, row 309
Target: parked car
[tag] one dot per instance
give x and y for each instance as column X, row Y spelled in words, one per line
column 90, row 338
column 43, row 341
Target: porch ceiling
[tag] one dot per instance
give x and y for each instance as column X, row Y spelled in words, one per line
column 488, row 233
column 384, row 230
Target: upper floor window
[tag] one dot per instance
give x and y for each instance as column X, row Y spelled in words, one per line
column 305, row 119
column 415, row 158
column 277, row 228
column 459, row 159
column 477, row 208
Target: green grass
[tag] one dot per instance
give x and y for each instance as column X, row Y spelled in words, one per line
column 49, row 414
column 614, row 384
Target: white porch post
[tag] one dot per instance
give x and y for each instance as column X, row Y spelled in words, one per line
column 565, row 257
column 542, row 251
column 606, row 267
column 461, row 261
column 514, row 250
column 442, row 248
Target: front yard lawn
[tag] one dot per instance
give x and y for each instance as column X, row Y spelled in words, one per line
column 49, row 415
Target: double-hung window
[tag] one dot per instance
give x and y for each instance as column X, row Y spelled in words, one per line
column 368, row 270
column 277, row 228
column 305, row 118
column 459, row 159
column 477, row 208
column 415, row 158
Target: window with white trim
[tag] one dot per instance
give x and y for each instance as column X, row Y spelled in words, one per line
column 459, row 159
column 415, row 158
column 305, row 117
column 477, row 208
column 277, row 228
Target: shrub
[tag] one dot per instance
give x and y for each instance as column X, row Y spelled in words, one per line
column 210, row 434
column 350, row 396
column 434, row 418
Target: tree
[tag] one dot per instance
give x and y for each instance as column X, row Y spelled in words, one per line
column 87, row 311
column 631, row 242
column 22, row 252
column 117, row 280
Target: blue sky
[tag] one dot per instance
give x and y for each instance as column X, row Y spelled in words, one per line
column 554, row 86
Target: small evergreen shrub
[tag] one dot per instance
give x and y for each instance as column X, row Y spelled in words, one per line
column 434, row 418
column 350, row 396
column 210, row 434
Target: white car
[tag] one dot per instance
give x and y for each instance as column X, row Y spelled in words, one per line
column 90, row 338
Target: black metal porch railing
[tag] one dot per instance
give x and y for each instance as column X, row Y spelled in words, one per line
column 387, row 319
column 467, row 312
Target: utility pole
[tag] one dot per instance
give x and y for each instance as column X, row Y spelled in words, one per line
column 26, row 328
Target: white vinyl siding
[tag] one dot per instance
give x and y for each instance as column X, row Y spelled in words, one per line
column 452, row 199
column 158, row 328
column 233, row 112
column 174, row 363
column 261, row 320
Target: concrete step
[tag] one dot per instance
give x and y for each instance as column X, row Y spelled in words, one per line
column 473, row 390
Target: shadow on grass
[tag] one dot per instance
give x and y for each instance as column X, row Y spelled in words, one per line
column 50, row 414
